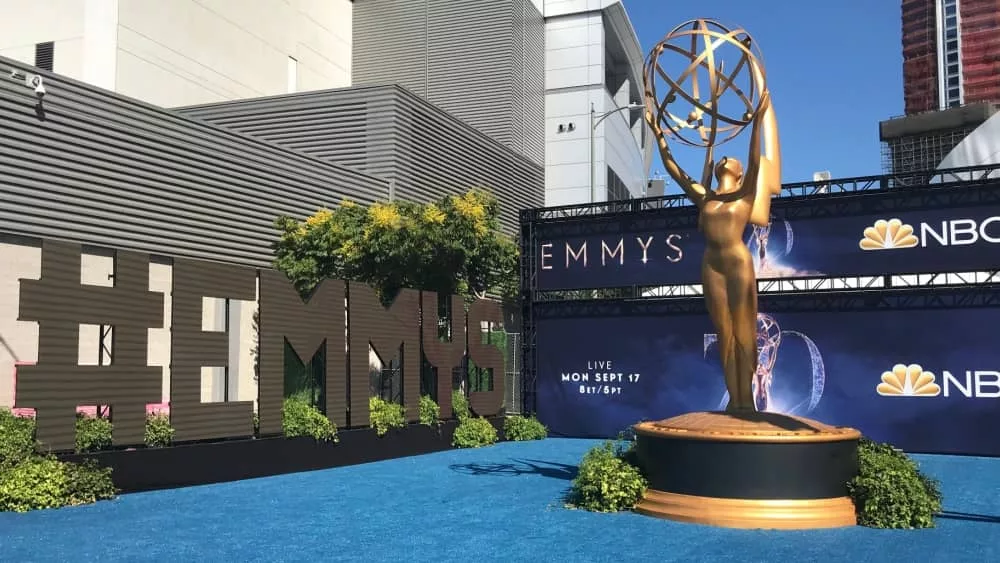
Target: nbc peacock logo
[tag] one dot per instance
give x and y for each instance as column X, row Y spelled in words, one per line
column 908, row 381
column 887, row 235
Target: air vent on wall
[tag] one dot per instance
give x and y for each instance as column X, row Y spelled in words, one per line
column 44, row 53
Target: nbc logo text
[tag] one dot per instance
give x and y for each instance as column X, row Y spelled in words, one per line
column 894, row 233
column 913, row 381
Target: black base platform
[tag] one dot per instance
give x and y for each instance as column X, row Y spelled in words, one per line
column 748, row 470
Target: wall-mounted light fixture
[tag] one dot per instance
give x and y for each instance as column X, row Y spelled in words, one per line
column 37, row 83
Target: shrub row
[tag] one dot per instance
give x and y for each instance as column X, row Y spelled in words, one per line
column 29, row 480
column 890, row 491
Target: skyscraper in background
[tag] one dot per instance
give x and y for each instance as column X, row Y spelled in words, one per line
column 951, row 53
column 951, row 85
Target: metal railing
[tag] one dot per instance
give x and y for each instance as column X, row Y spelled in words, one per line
column 911, row 181
column 512, row 374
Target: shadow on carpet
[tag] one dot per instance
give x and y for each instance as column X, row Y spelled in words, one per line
column 519, row 467
column 501, row 503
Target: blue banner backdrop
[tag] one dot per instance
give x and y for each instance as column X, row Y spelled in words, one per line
column 625, row 254
column 923, row 380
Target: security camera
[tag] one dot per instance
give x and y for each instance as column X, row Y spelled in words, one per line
column 39, row 85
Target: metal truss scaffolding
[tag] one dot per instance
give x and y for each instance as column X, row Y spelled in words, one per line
column 964, row 187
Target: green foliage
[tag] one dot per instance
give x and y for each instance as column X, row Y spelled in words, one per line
column 45, row 482
column 519, row 428
column 17, row 439
column 255, row 349
column 300, row 418
column 474, row 432
column 383, row 415
column 35, row 483
column 452, row 246
column 890, row 491
column 498, row 337
column 430, row 412
column 607, row 481
column 159, row 432
column 305, row 379
column 460, row 405
column 88, row 482
column 624, row 448
column 482, row 379
column 93, row 433
column 29, row 481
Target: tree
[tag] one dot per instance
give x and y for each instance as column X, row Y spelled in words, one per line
column 453, row 247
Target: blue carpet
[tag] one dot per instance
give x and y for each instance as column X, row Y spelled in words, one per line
column 494, row 504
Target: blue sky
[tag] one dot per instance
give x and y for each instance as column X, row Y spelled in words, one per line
column 834, row 69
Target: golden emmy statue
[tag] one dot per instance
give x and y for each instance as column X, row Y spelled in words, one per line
column 740, row 468
column 743, row 194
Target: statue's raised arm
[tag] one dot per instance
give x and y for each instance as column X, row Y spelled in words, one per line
column 654, row 118
column 765, row 156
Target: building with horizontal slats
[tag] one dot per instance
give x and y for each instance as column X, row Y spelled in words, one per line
column 391, row 133
column 483, row 62
column 94, row 168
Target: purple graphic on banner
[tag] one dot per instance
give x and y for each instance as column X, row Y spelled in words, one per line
column 768, row 254
column 925, row 380
column 769, row 339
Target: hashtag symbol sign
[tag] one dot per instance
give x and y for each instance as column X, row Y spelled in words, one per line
column 56, row 384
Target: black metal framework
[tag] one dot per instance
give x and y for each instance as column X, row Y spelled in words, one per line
column 957, row 187
column 902, row 184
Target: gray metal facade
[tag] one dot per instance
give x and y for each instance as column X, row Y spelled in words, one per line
column 482, row 61
column 389, row 132
column 99, row 168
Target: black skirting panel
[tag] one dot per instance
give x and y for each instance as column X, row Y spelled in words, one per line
column 748, row 470
column 149, row 469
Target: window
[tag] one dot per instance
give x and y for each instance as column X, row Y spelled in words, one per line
column 949, row 10
column 952, row 81
column 952, row 58
column 617, row 190
column 953, row 93
column 950, row 22
column 951, row 34
column 951, row 45
column 44, row 55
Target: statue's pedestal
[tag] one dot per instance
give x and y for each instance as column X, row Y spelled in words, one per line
column 748, row 470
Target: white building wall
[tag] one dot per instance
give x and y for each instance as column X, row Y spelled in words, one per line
column 18, row 339
column 183, row 52
column 981, row 147
column 26, row 23
column 575, row 43
column 574, row 77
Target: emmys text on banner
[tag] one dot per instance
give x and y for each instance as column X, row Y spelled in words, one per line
column 925, row 380
column 618, row 252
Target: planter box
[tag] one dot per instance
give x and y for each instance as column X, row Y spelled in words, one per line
column 149, row 469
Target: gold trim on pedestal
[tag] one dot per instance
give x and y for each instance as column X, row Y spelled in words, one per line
column 742, row 513
column 745, row 427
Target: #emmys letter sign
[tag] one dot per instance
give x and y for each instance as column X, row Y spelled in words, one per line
column 346, row 317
